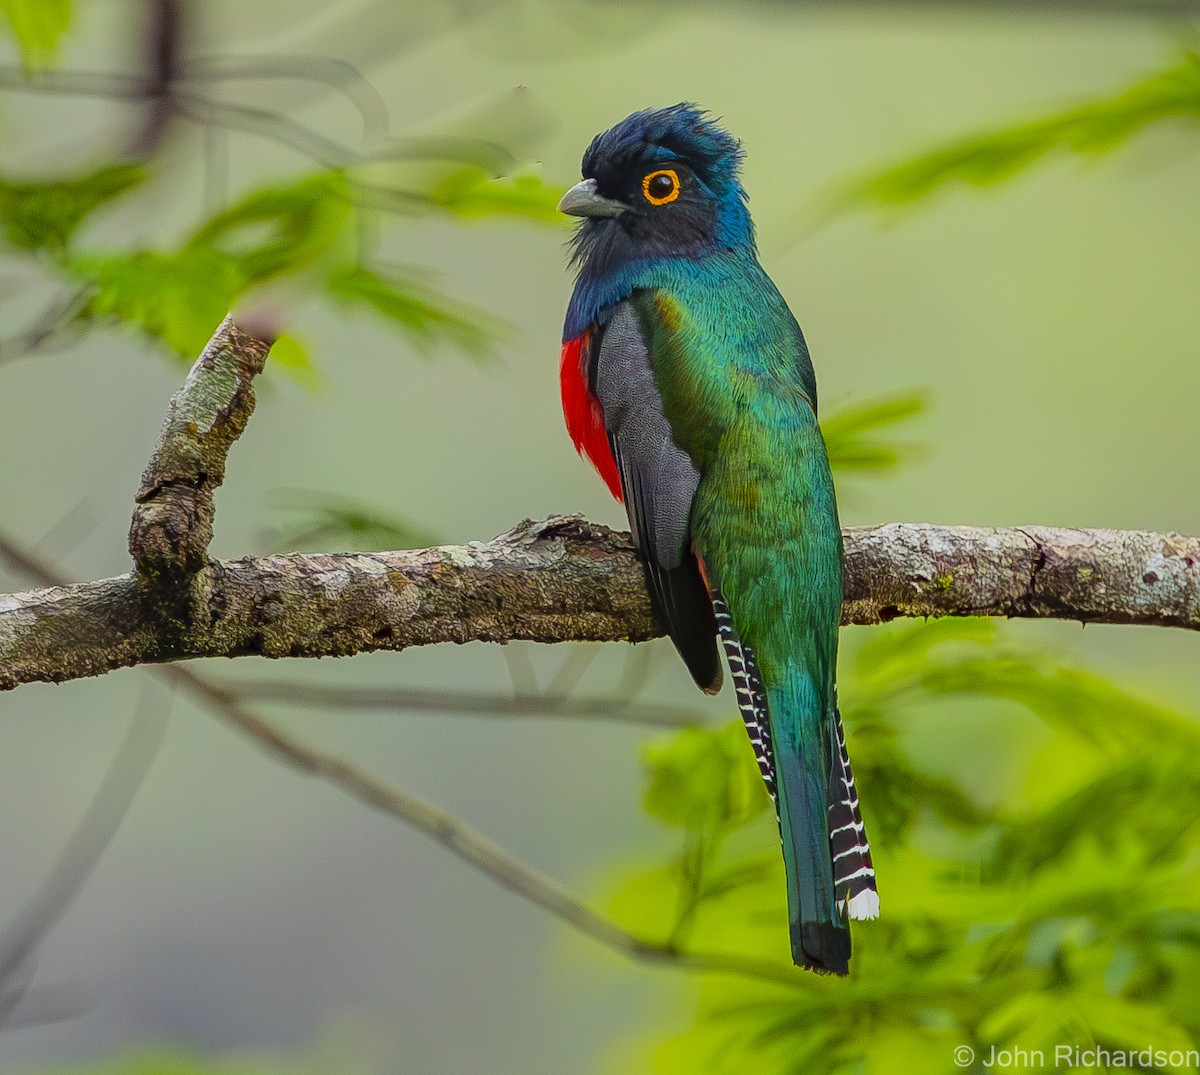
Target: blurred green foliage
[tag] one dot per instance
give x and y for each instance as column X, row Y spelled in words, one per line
column 282, row 243
column 426, row 317
column 1038, row 890
column 1037, row 866
column 1038, row 886
column 328, row 521
column 305, row 234
column 852, row 434
column 38, row 26
column 45, row 215
column 990, row 157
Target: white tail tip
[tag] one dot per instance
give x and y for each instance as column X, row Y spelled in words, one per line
column 864, row 905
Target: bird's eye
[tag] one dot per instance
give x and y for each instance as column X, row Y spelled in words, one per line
column 661, row 187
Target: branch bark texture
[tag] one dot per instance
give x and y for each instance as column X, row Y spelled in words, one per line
column 465, row 842
column 565, row 579
column 173, row 518
column 1093, row 576
column 560, row 580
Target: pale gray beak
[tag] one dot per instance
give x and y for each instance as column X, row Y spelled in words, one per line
column 582, row 200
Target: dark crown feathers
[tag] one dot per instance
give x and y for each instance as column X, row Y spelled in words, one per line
column 682, row 132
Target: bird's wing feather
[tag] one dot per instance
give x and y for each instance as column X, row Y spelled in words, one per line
column 659, row 482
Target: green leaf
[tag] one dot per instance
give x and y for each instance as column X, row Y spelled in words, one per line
column 993, row 156
column 1067, row 915
column 704, row 777
column 424, row 315
column 39, row 26
column 331, row 521
column 300, row 231
column 850, row 433
column 471, row 192
column 45, row 215
column 180, row 297
column 177, row 298
column 464, row 189
column 283, row 228
column 291, row 357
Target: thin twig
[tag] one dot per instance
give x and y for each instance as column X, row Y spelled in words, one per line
column 520, row 669
column 465, row 842
column 57, row 327
column 576, row 663
column 338, row 74
column 26, row 931
column 266, row 123
column 115, row 86
column 468, row 844
column 163, row 37
column 272, row 125
column 638, row 663
column 408, row 700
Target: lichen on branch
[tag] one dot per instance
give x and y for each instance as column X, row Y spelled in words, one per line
column 173, row 519
column 560, row 580
column 565, row 579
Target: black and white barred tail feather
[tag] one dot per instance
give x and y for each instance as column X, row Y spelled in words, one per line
column 748, row 686
column 853, row 872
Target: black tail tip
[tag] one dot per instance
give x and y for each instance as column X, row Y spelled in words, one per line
column 822, row 947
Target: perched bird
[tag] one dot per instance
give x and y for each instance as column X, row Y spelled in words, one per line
column 687, row 383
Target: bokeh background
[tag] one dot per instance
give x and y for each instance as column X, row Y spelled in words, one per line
column 1052, row 322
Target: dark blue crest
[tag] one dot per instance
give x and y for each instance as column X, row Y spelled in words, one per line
column 682, row 132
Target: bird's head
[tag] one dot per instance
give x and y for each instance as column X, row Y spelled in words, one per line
column 661, row 183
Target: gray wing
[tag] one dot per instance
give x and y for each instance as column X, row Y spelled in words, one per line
column 659, row 484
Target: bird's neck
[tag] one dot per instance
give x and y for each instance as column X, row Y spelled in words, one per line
column 605, row 281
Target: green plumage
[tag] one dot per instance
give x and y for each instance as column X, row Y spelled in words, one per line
column 680, row 344
column 732, row 368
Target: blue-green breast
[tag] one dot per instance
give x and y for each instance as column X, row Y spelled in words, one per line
column 738, row 388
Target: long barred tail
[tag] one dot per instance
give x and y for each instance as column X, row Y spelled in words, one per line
column 853, row 874
column 748, row 686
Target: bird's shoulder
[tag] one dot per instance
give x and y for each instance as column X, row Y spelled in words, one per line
column 733, row 325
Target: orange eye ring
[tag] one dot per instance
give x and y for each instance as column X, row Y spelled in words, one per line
column 662, row 192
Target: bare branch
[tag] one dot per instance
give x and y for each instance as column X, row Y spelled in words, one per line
column 22, row 1004
column 470, row 845
column 461, row 839
column 565, row 579
column 336, row 73
column 164, row 38
column 172, row 523
column 618, row 710
column 1030, row 572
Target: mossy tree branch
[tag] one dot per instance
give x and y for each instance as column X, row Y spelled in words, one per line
column 565, row 579
column 173, row 519
column 560, row 580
